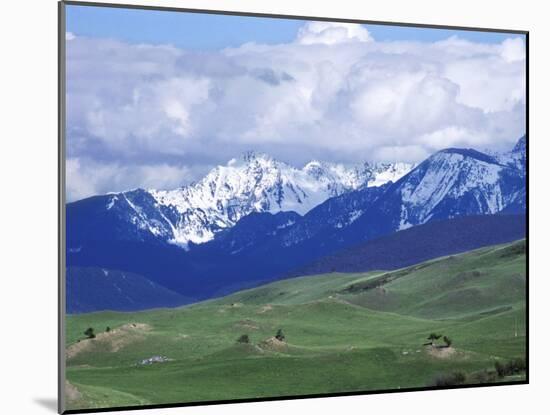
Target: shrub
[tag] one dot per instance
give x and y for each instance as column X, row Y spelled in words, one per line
column 89, row 333
column 447, row 341
column 515, row 366
column 484, row 376
column 243, row 339
column 500, row 369
column 108, row 329
column 433, row 337
column 280, row 336
column 491, row 376
column 511, row 367
column 480, row 377
column 451, row 379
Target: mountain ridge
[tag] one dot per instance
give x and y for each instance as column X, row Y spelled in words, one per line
column 262, row 246
column 255, row 183
column 421, row 243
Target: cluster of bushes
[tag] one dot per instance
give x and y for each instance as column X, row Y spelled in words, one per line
column 374, row 283
column 433, row 337
column 245, row 339
column 90, row 333
column 450, row 379
column 502, row 369
column 484, row 376
column 511, row 367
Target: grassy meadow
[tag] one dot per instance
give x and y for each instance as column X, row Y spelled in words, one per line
column 342, row 333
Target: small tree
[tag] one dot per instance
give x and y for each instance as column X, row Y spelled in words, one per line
column 243, row 339
column 89, row 333
column 108, row 329
column 433, row 337
column 447, row 341
column 280, row 336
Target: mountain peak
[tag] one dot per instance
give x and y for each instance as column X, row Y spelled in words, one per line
column 520, row 146
column 317, row 168
column 469, row 152
column 313, row 164
column 251, row 156
column 253, row 182
column 516, row 157
column 451, row 182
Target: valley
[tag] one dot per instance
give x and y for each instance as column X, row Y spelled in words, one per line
column 319, row 334
column 258, row 207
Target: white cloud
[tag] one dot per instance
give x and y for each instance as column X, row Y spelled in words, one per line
column 87, row 177
column 513, row 50
column 489, row 83
column 330, row 33
column 454, row 136
column 334, row 93
column 69, row 36
column 406, row 152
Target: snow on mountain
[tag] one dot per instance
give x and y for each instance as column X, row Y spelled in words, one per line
column 451, row 183
column 254, row 183
column 369, row 174
column 368, row 199
column 386, row 172
column 136, row 231
column 457, row 182
column 516, row 157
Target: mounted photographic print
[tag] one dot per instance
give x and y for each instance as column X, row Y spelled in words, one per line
column 258, row 207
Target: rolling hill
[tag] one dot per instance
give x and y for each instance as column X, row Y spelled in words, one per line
column 420, row 243
column 92, row 289
column 343, row 333
column 204, row 273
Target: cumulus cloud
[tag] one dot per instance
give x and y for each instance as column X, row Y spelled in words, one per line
column 513, row 50
column 159, row 116
column 86, row 177
column 329, row 33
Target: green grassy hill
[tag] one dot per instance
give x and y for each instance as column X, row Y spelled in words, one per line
column 343, row 332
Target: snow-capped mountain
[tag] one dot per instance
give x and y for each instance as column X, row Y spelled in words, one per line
column 132, row 231
column 449, row 184
column 516, row 157
column 253, row 183
column 456, row 182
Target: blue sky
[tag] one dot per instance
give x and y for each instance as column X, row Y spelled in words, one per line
column 141, row 114
column 211, row 31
